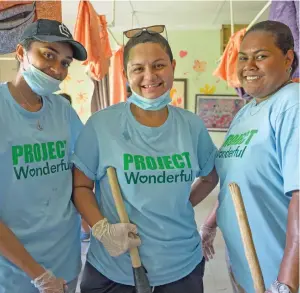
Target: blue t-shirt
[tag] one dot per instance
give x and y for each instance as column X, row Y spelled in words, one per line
column 156, row 167
column 260, row 154
column 36, row 186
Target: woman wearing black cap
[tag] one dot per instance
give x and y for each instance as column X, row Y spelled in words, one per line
column 39, row 226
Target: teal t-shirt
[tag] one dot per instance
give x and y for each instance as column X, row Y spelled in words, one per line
column 261, row 155
column 36, row 186
column 156, row 167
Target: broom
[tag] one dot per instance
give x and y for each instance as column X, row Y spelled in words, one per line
column 247, row 238
column 140, row 278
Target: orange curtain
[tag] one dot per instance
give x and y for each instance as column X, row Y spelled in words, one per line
column 44, row 9
column 117, row 80
column 91, row 31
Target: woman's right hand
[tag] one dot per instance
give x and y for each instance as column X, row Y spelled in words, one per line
column 116, row 238
column 208, row 235
column 48, row 283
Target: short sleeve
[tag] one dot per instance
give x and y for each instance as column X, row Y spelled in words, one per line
column 76, row 127
column 206, row 151
column 287, row 147
column 86, row 154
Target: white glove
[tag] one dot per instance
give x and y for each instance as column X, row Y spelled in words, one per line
column 275, row 288
column 116, row 238
column 208, row 235
column 48, row 283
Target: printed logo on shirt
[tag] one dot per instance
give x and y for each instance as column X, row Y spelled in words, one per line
column 236, row 145
column 23, row 156
column 162, row 164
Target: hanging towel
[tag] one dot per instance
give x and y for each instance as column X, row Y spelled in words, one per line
column 287, row 12
column 116, row 78
column 13, row 22
column 226, row 69
column 91, row 31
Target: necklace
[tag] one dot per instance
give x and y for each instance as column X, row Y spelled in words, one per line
column 38, row 124
column 255, row 108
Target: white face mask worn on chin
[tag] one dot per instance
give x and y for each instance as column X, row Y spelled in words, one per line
column 40, row 82
column 150, row 104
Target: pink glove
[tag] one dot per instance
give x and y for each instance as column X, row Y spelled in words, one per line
column 208, row 235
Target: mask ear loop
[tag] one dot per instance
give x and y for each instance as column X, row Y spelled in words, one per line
column 23, row 61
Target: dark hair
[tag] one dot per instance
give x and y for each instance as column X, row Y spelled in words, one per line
column 67, row 97
column 283, row 37
column 128, row 88
column 146, row 37
column 26, row 44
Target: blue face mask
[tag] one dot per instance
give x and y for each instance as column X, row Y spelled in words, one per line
column 150, row 104
column 40, row 82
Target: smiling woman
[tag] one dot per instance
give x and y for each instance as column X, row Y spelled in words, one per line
column 38, row 223
column 158, row 151
column 267, row 129
column 267, row 59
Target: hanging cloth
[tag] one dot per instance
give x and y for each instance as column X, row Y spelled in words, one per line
column 91, row 31
column 13, row 22
column 287, row 12
column 226, row 69
column 44, row 9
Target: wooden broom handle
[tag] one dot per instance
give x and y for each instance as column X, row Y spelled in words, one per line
column 247, row 239
column 117, row 195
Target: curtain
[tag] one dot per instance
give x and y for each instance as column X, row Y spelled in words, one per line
column 117, row 79
column 112, row 88
column 287, row 12
column 100, row 98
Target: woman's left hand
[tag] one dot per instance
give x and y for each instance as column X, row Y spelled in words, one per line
column 208, row 235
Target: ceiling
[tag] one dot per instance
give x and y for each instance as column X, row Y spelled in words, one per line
column 176, row 15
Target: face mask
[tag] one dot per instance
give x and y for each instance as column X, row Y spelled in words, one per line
column 150, row 104
column 40, row 82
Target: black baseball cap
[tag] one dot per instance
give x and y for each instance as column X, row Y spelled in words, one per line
column 51, row 31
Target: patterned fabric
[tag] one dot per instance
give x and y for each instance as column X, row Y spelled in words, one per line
column 287, row 12
column 44, row 9
column 13, row 22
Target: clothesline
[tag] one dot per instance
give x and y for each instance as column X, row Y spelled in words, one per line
column 251, row 23
column 258, row 15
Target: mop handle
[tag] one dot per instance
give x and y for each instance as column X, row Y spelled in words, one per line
column 247, row 239
column 116, row 192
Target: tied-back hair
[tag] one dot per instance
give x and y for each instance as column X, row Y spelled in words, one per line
column 283, row 36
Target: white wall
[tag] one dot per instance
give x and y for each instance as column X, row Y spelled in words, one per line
column 8, row 70
column 218, row 138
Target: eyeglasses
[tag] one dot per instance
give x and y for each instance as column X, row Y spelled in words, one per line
column 154, row 29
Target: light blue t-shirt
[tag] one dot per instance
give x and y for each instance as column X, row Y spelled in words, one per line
column 36, row 186
column 156, row 168
column 261, row 155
